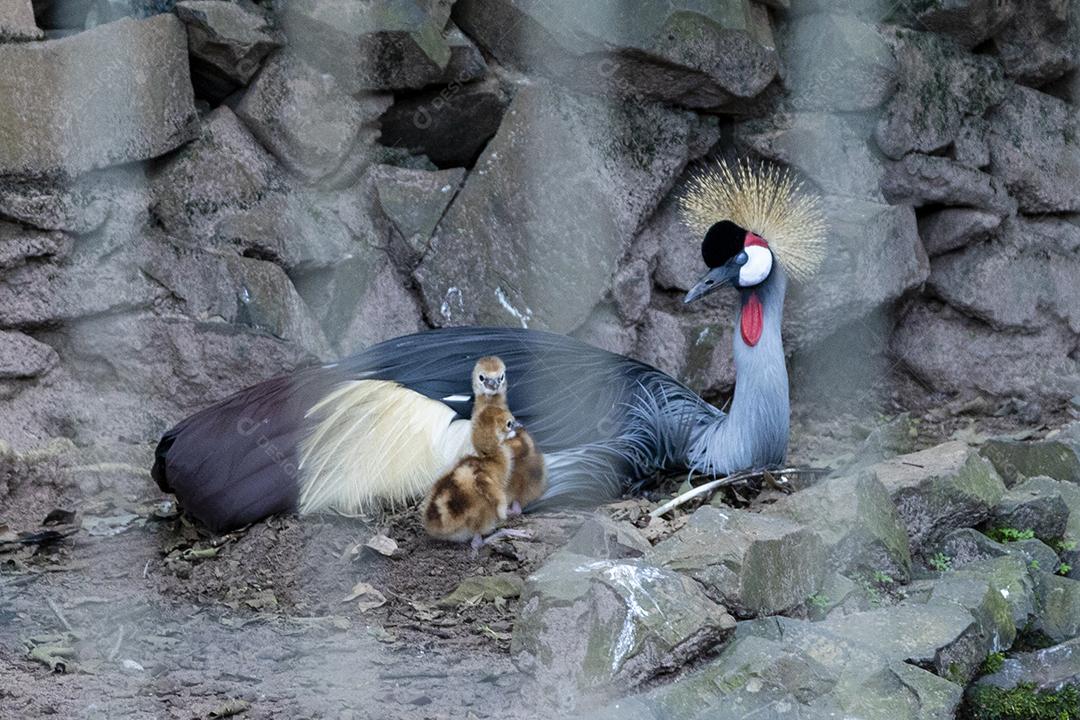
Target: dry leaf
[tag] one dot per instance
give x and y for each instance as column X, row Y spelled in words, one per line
column 367, row 597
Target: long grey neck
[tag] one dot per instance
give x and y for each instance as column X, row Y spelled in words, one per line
column 754, row 433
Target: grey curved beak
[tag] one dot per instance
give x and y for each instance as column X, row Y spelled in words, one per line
column 716, row 278
column 491, row 385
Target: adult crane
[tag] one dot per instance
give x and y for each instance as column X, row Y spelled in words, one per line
column 381, row 426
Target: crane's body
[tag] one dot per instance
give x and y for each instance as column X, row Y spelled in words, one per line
column 383, row 425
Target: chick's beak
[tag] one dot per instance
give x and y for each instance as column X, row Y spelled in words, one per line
column 491, row 384
column 716, row 278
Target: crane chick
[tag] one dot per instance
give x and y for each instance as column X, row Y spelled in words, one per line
column 528, row 478
column 471, row 499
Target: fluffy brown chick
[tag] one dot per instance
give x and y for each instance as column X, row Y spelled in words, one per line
column 470, row 500
column 528, row 477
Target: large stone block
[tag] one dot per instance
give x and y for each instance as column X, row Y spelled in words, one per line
column 753, row 564
column 23, row 357
column 115, row 94
column 1026, row 274
column 1041, row 42
column 372, row 46
column 932, row 180
column 695, row 54
column 586, row 623
column 940, row 489
column 1035, row 150
column 536, row 235
column 941, row 85
column 309, row 121
column 1037, row 505
column 953, row 353
column 228, row 41
column 857, row 521
column 969, row 22
column 17, row 21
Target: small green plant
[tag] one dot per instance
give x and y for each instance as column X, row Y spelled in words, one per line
column 1065, row 545
column 1064, row 569
column 1033, row 565
column 940, row 562
column 1008, row 534
column 992, row 663
column 883, row 578
column 818, row 601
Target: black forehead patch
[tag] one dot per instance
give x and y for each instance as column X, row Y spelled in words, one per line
column 723, row 242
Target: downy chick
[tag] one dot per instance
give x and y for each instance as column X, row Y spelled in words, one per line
column 528, row 478
column 470, row 500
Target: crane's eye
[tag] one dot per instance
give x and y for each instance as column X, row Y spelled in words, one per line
column 741, row 258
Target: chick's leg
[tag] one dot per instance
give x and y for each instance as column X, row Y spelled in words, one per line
column 515, row 509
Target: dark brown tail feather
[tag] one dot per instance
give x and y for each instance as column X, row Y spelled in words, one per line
column 236, row 462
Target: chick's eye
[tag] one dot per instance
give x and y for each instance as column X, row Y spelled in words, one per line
column 741, row 258
column 509, row 423
column 482, row 378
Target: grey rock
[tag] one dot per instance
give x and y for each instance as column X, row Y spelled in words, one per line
column 450, row 125
column 1056, row 456
column 953, row 353
column 1048, row 669
column 832, row 150
column 372, row 46
column 1036, row 553
column 361, row 301
column 227, row 40
column 1042, row 42
column 605, row 330
column 950, row 229
column 17, row 22
column 1036, row 505
column 943, row 636
column 1014, row 281
column 308, row 121
column 967, row 545
column 994, row 629
column 836, row 63
column 80, row 206
column 922, row 179
column 857, row 522
column 585, row 624
column 753, row 564
column 1035, row 150
column 304, row 229
column 631, row 290
column 466, row 61
column 607, row 539
column 940, row 489
column 520, row 244
column 127, row 97
column 874, row 257
column 1058, row 618
column 151, row 371
column 971, row 146
column 18, row 245
column 238, row 290
column 224, row 172
column 794, row 670
column 969, row 22
column 694, row 347
column 23, row 357
column 940, row 85
column 677, row 254
column 697, row 55
column 414, row 201
column 1009, row 576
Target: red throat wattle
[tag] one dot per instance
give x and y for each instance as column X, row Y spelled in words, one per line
column 752, row 320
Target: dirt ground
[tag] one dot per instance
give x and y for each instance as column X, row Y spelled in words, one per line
column 164, row 621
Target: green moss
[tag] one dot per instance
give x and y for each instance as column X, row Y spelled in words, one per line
column 1024, row 702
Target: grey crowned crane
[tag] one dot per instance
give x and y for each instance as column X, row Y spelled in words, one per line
column 380, row 427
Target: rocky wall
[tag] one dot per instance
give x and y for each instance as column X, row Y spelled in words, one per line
column 200, row 195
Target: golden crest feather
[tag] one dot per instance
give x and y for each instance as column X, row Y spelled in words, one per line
column 766, row 200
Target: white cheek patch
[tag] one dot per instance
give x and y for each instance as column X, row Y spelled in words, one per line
column 757, row 267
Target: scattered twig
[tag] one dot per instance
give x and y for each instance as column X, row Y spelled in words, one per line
column 724, row 482
column 116, row 646
column 59, row 614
